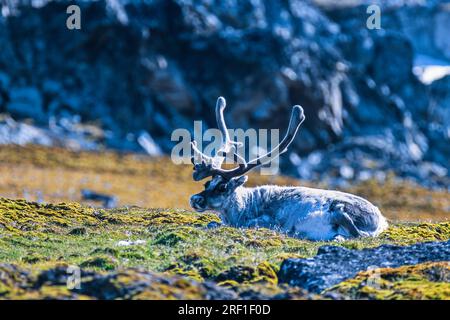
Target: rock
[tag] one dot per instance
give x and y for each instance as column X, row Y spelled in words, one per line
column 263, row 273
column 140, row 284
column 442, row 25
column 4, row 82
column 439, row 129
column 334, row 264
column 430, row 280
column 51, row 283
column 399, row 52
column 12, row 132
column 108, row 201
column 75, row 137
column 148, row 144
column 26, row 102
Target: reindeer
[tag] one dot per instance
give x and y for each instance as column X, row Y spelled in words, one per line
column 301, row 212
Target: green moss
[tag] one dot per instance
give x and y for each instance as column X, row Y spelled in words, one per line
column 107, row 251
column 100, row 262
column 412, row 233
column 80, row 231
column 32, row 259
column 12, row 280
column 263, row 272
column 229, row 284
column 192, row 273
column 195, row 266
column 132, row 254
column 170, row 238
column 266, row 272
column 423, row 281
column 20, row 216
column 182, row 217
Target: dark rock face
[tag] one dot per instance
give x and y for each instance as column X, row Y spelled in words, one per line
column 156, row 66
column 53, row 283
column 439, row 132
column 125, row 284
column 334, row 264
column 110, row 286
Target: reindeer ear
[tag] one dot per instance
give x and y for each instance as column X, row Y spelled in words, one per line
column 237, row 182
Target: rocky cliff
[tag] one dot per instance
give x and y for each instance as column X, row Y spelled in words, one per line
column 154, row 66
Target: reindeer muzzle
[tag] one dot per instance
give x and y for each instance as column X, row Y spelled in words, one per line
column 198, row 203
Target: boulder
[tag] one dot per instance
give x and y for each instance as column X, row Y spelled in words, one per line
column 334, row 264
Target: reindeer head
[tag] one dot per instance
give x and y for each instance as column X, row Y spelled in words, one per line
column 224, row 182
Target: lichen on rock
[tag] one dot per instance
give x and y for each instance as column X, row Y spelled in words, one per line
column 334, row 264
column 422, row 281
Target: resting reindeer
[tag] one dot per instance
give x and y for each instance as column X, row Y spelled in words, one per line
column 301, row 212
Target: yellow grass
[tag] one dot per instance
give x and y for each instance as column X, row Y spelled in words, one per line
column 58, row 175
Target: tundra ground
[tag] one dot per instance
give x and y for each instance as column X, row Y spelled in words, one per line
column 154, row 247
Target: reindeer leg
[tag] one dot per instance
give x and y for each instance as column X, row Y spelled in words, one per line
column 341, row 218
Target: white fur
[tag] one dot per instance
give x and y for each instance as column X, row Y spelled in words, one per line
column 299, row 211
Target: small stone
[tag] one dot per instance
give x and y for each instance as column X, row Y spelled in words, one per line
column 334, row 264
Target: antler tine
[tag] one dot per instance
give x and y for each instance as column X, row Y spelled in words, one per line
column 203, row 165
column 227, row 145
column 297, row 117
column 198, row 156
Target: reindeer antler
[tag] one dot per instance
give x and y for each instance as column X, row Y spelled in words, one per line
column 227, row 144
column 205, row 166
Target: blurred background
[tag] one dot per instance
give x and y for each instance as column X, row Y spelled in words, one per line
column 92, row 110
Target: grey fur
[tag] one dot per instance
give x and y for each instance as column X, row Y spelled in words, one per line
column 301, row 212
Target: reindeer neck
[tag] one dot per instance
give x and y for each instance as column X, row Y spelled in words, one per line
column 240, row 206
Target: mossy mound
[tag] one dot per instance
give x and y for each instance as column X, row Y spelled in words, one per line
column 422, row 281
column 22, row 216
column 100, row 262
column 56, row 283
column 419, row 232
column 263, row 272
